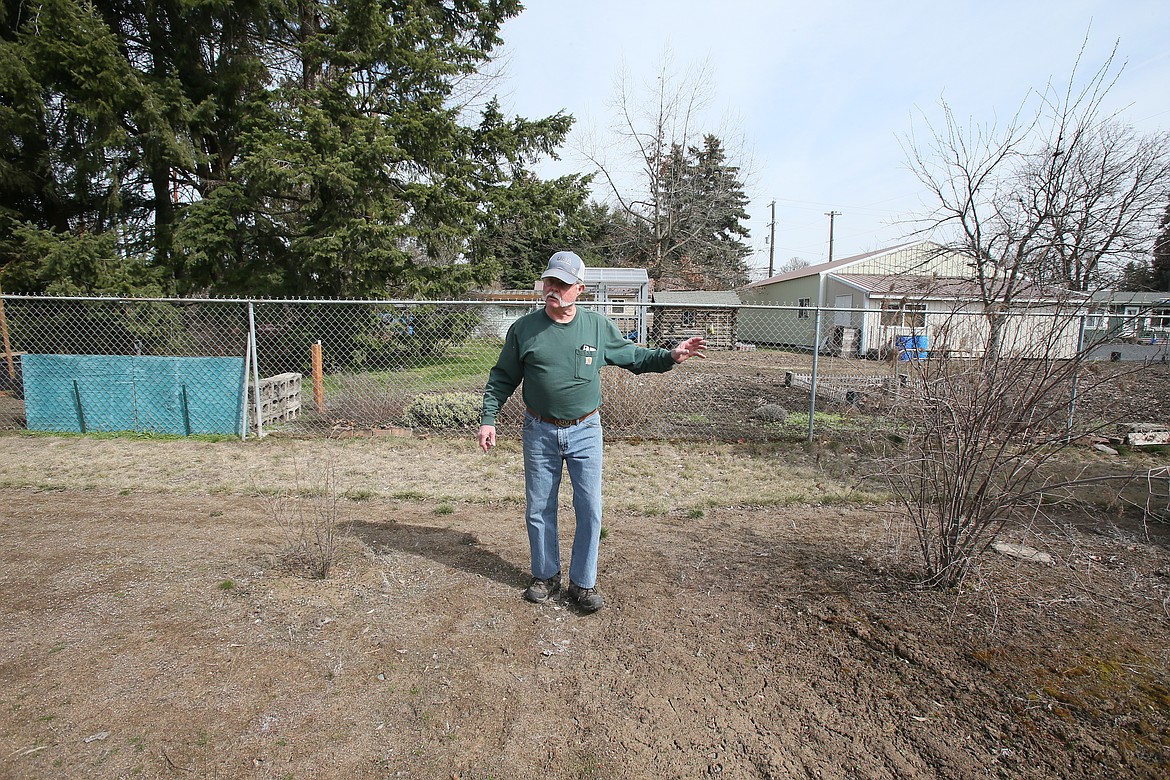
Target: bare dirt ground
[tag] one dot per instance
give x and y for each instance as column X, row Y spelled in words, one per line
column 762, row 623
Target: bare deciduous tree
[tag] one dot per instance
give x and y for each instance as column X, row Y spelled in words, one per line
column 1046, row 208
column 680, row 213
column 792, row 264
column 1065, row 194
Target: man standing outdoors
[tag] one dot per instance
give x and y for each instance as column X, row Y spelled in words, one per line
column 558, row 352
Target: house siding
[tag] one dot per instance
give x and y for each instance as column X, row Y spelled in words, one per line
column 871, row 279
column 1118, row 316
column 785, row 327
column 960, row 331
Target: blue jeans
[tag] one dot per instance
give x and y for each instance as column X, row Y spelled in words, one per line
column 546, row 448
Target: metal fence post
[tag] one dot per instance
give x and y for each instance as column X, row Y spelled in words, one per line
column 255, row 371
column 812, row 395
column 1079, row 358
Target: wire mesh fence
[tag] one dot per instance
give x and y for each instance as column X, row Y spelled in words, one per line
column 339, row 367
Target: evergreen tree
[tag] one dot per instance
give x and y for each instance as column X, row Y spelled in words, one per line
column 67, row 155
column 530, row 219
column 720, row 207
column 1153, row 275
column 697, row 220
column 259, row 147
column 624, row 240
column 363, row 170
column 208, row 68
column 1160, row 272
column 1135, row 277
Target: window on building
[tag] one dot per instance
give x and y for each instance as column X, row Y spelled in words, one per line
column 904, row 315
column 804, row 304
column 688, row 319
column 1160, row 319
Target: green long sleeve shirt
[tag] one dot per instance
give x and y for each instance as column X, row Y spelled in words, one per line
column 560, row 364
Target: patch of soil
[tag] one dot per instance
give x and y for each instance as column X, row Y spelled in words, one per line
column 160, row 636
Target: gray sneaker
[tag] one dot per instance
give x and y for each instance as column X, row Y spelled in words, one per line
column 540, row 591
column 588, row 599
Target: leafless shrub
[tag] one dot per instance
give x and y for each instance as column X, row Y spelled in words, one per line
column 983, row 442
column 631, row 399
column 1158, row 494
column 1046, row 209
column 311, row 520
column 363, row 406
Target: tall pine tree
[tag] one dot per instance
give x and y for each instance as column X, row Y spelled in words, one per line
column 69, row 194
column 697, row 220
column 280, row 147
column 1160, row 272
column 722, row 203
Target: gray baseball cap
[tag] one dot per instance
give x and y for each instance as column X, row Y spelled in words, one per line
column 567, row 267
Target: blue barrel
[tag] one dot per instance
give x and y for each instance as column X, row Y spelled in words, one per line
column 912, row 347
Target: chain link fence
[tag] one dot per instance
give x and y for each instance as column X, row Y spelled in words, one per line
column 205, row 366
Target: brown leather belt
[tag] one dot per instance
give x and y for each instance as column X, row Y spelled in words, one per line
column 562, row 423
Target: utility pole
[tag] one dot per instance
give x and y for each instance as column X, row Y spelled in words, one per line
column 772, row 243
column 830, row 215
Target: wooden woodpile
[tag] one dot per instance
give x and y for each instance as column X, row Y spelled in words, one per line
column 674, row 324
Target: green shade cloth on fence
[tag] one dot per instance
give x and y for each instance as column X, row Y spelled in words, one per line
column 178, row 395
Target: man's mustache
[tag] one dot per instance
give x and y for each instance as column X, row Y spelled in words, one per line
column 552, row 296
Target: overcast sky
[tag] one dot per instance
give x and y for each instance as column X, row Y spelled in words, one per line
column 823, row 94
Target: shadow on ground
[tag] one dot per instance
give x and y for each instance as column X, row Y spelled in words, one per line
column 457, row 549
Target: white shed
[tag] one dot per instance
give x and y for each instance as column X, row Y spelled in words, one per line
column 622, row 294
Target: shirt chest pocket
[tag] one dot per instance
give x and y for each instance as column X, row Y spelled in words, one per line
column 585, row 362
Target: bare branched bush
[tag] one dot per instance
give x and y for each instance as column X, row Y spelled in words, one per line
column 631, row 399
column 361, row 406
column 966, row 458
column 982, row 436
column 1157, row 506
column 1046, row 209
column 311, row 520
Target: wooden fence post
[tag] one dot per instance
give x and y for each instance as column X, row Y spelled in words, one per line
column 318, row 377
column 7, row 346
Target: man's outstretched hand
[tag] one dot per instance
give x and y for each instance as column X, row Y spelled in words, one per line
column 695, row 346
